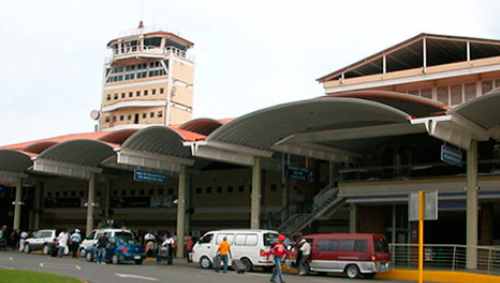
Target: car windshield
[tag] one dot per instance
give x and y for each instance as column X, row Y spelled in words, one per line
column 127, row 237
column 381, row 246
column 270, row 238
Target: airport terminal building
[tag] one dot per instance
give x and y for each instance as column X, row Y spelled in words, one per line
column 345, row 161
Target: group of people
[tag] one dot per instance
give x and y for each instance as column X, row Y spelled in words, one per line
column 278, row 252
column 67, row 242
column 11, row 238
column 163, row 246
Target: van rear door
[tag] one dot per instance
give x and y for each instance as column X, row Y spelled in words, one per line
column 381, row 248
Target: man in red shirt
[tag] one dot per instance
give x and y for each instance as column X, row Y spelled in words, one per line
column 279, row 253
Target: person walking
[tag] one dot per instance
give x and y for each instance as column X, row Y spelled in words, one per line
column 3, row 237
column 62, row 243
column 224, row 251
column 169, row 245
column 22, row 239
column 305, row 250
column 76, row 238
column 279, row 253
column 102, row 243
column 189, row 248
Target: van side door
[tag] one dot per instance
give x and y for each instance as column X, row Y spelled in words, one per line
column 324, row 257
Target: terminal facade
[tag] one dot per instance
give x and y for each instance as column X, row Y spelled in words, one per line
column 345, row 161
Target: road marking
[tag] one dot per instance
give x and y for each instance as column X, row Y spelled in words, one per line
column 78, row 267
column 11, row 258
column 136, row 276
column 6, row 267
column 41, row 264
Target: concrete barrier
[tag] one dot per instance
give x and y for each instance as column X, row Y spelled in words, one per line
column 439, row 276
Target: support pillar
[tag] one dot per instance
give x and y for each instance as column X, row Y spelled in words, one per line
column 189, row 202
column 256, row 195
column 37, row 206
column 17, row 204
column 90, row 205
column 181, row 212
column 107, row 192
column 353, row 215
column 472, row 206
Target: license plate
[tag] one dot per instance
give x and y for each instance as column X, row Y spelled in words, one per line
column 137, row 257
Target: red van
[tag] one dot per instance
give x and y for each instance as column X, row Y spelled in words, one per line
column 355, row 255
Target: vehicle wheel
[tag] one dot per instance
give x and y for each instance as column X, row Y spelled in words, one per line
column 46, row 249
column 352, row 271
column 138, row 261
column 82, row 253
column 205, row 263
column 248, row 264
column 369, row 275
column 115, row 259
column 27, row 248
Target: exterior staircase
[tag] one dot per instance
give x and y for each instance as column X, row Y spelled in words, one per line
column 326, row 201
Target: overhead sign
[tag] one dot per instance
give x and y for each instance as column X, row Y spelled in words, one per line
column 431, row 206
column 299, row 174
column 452, row 155
column 148, row 176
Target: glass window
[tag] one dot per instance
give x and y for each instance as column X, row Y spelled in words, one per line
column 130, row 94
column 413, row 92
column 470, row 91
column 381, row 246
column 346, row 245
column 121, row 117
column 129, row 117
column 115, row 96
column 108, row 97
column 145, row 92
column 114, row 118
column 327, row 245
column 241, row 189
column 209, row 190
column 442, row 95
column 270, row 238
column 240, row 240
column 230, row 189
column 161, row 90
column 199, row 190
column 106, row 119
column 251, row 240
column 152, row 114
column 427, row 93
column 144, row 115
column 153, row 91
column 219, row 190
column 456, row 94
column 160, row 114
column 138, row 93
column 361, row 245
column 206, row 239
column 486, row 86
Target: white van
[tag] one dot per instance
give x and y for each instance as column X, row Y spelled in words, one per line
column 249, row 246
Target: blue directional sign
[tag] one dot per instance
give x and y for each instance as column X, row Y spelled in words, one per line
column 299, row 174
column 451, row 155
column 148, row 176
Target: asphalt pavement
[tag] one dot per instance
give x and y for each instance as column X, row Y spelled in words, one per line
column 180, row 272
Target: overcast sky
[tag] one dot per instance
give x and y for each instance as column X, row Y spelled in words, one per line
column 248, row 54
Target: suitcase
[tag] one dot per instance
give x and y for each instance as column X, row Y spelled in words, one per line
column 239, row 266
column 216, row 263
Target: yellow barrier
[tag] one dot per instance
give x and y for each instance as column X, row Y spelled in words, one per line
column 439, row 276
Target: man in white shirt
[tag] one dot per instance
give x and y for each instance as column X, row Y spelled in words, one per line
column 22, row 239
column 305, row 249
column 62, row 241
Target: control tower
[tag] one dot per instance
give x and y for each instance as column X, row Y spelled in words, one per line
column 148, row 80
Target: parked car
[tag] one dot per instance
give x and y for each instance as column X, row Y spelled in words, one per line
column 249, row 246
column 122, row 248
column 41, row 240
column 354, row 254
column 92, row 238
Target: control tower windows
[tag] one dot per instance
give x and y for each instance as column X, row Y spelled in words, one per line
column 123, row 95
column 129, row 117
column 130, row 94
column 152, row 114
column 136, row 118
column 108, row 97
column 161, row 90
column 138, row 93
column 144, row 115
column 153, row 91
column 121, row 117
column 115, row 96
column 152, row 42
column 145, row 92
column 160, row 114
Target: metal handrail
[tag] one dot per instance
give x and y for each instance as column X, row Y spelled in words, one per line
column 446, row 256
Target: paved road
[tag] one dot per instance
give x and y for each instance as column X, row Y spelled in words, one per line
column 149, row 272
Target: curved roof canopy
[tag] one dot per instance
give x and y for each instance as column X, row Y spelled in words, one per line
column 483, row 110
column 14, row 161
column 262, row 129
column 415, row 106
column 80, row 152
column 203, row 126
column 161, row 140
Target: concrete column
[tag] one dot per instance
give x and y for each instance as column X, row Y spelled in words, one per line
column 90, row 205
column 17, row 204
column 181, row 212
column 37, row 206
column 106, row 196
column 189, row 202
column 393, row 230
column 472, row 206
column 256, row 195
column 353, row 215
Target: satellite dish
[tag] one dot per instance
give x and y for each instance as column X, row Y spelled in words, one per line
column 95, row 114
